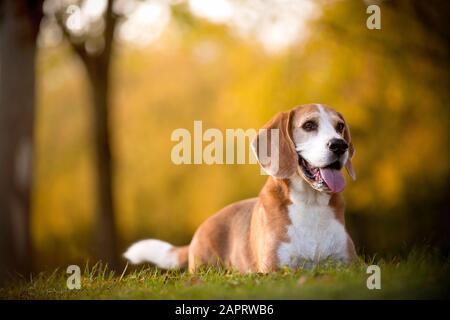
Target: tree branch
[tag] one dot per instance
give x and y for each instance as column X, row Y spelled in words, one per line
column 110, row 26
column 78, row 47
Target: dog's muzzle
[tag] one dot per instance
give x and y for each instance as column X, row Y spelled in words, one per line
column 325, row 179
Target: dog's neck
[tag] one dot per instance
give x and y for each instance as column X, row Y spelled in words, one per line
column 302, row 192
column 297, row 191
column 296, row 197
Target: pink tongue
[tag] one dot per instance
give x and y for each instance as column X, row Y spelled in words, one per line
column 333, row 178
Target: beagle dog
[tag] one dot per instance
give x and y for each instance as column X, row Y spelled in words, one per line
column 298, row 218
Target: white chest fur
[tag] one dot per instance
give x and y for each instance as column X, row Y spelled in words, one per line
column 314, row 233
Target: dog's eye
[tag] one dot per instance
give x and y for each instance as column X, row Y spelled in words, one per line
column 340, row 127
column 309, row 126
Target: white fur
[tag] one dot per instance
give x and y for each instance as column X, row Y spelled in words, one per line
column 314, row 233
column 155, row 251
column 315, row 148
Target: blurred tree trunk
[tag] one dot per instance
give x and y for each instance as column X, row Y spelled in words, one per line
column 19, row 27
column 98, row 71
column 97, row 65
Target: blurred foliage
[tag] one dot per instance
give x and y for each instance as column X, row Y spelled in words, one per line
column 390, row 84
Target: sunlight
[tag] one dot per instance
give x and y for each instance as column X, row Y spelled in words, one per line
column 218, row 11
column 275, row 24
column 93, row 8
column 145, row 22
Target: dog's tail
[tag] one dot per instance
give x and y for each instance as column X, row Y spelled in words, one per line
column 160, row 253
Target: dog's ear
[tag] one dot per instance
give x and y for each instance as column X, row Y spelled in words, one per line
column 351, row 152
column 274, row 147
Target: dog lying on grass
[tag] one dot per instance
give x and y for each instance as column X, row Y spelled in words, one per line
column 297, row 219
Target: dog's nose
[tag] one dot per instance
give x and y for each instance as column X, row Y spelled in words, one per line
column 337, row 146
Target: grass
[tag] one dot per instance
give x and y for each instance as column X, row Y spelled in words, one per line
column 421, row 275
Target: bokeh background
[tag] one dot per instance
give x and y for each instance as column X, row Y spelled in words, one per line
column 234, row 64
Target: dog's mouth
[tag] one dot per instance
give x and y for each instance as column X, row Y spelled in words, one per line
column 325, row 179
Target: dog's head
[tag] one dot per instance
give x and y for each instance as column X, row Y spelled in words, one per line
column 313, row 141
